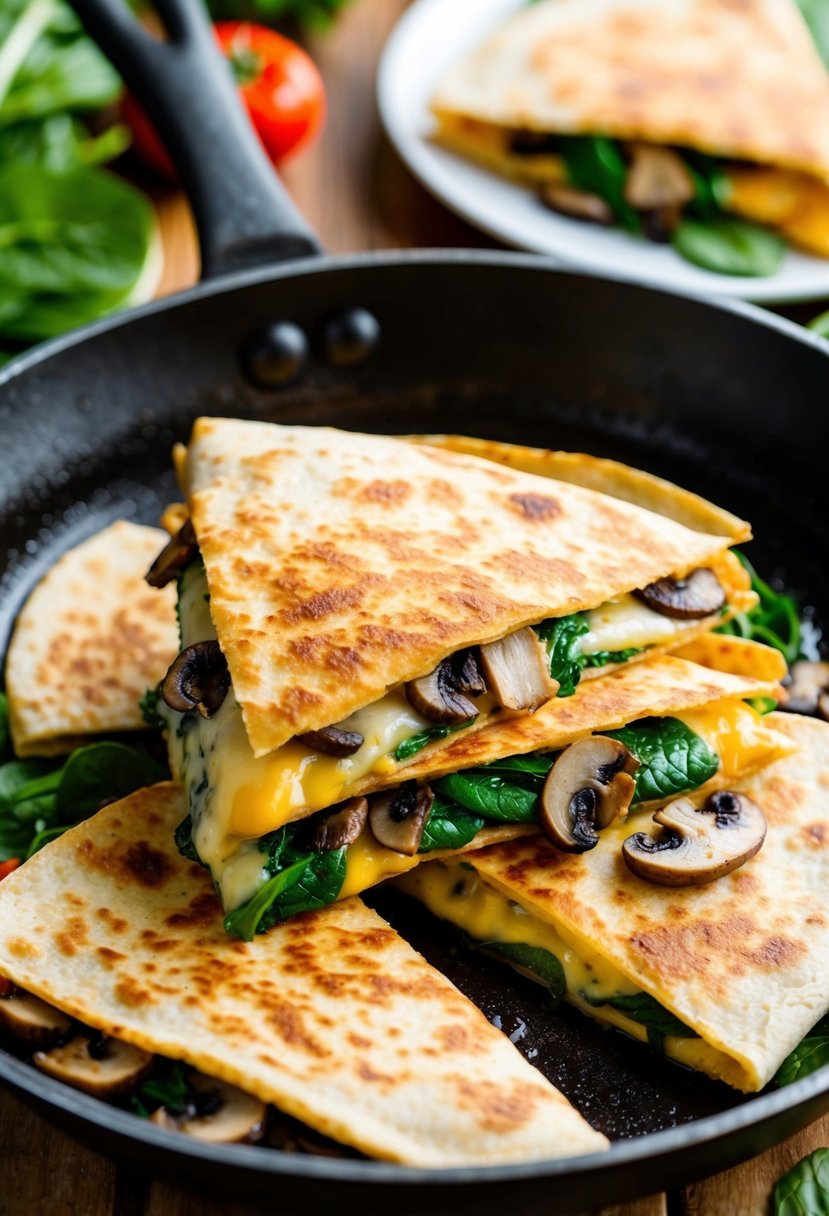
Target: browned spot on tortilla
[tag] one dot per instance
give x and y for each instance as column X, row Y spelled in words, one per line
column 495, row 1108
column 815, row 919
column 290, row 1025
column 324, row 603
column 454, row 1037
column 20, row 947
column 109, row 956
column 776, row 952
column 535, row 506
column 130, row 992
column 203, row 909
column 359, row 1041
column 139, row 862
column 116, row 924
column 816, row 834
column 72, row 936
column 389, row 493
column 366, row 1073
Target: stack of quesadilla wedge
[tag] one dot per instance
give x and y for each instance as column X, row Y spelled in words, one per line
column 726, row 977
column 650, row 112
column 333, row 1018
column 352, row 606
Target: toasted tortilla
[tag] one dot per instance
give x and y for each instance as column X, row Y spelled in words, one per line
column 340, row 565
column 743, row 961
column 333, row 1018
column 89, row 641
column 742, row 80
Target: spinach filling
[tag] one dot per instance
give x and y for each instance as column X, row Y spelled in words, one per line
column 673, row 760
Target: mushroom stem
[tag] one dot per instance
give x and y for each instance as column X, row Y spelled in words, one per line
column 517, row 672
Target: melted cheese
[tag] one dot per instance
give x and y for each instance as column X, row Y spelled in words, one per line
column 739, row 736
column 368, row 862
column 490, row 146
column 626, row 623
column 454, row 892
column 795, row 203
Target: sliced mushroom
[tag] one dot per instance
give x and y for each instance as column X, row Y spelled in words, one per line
column 577, row 204
column 809, row 682
column 701, row 844
column 174, row 557
column 216, row 1112
column 517, row 671
column 32, row 1020
column 657, row 177
column 339, row 827
column 590, row 784
column 697, row 595
column 398, row 817
column 198, row 679
column 660, row 224
column 440, row 695
column 108, row 1069
column 333, row 741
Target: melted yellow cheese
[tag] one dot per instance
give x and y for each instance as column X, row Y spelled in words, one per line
column 454, row 892
column 795, row 203
column 739, row 736
column 369, row 862
column 490, row 146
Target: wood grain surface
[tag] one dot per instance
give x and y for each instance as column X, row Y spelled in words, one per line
column 358, row 195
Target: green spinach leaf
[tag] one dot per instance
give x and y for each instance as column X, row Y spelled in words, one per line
column 596, row 164
column 810, row 1054
column 804, row 1191
column 774, row 620
column 602, row 658
column 103, row 772
column 489, row 795
column 673, row 758
column 561, row 637
column 168, row 1088
column 644, row 1009
column 728, row 245
column 531, row 768
column 303, row 881
column 544, row 965
column 449, row 827
column 816, row 16
column 416, row 743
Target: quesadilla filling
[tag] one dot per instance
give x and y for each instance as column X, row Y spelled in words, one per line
column 571, row 970
column 666, row 194
column 271, row 875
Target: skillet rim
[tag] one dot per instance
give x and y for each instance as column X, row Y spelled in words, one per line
column 23, row 1076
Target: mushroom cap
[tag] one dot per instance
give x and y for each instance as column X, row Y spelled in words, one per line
column 701, row 844
column 339, row 827
column 220, row 1113
column 333, row 741
column 809, row 681
column 657, row 177
column 107, row 1071
column 398, row 817
column 31, row 1020
column 589, row 785
column 698, row 595
column 197, row 680
column 174, row 557
column 439, row 696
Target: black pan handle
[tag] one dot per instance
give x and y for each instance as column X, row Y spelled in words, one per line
column 244, row 215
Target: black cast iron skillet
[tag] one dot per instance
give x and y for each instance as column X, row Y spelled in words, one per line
column 721, row 397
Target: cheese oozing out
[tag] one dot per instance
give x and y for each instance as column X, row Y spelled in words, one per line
column 236, row 798
column 455, row 892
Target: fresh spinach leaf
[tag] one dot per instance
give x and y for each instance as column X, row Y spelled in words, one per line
column 449, row 827
column 673, row 758
column 595, row 163
column 810, row 1054
column 415, row 743
column 774, row 620
column 103, row 772
column 728, row 245
column 16, row 776
column 561, row 637
column 61, row 142
column 540, row 962
column 489, row 795
column 804, row 1190
column 45, row 836
column 644, row 1009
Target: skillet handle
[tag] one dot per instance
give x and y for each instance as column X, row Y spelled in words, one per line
column 244, row 215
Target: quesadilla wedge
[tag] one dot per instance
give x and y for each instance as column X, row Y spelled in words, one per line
column 725, row 978
column 349, row 600
column 89, row 641
column 667, row 117
column 333, row 1018
column 690, row 728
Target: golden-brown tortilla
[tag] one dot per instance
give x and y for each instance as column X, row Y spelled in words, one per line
column 734, row 78
column 333, row 1017
column 90, row 640
column 340, row 565
column 744, row 961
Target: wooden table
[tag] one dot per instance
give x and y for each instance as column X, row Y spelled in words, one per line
column 357, row 195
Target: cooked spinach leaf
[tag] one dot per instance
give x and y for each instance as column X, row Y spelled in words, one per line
column 411, row 746
column 489, row 795
column 531, row 768
column 540, row 962
column 774, row 620
column 644, row 1009
column 167, row 1088
column 804, row 1190
column 603, row 658
column 302, row 881
column 561, row 637
column 595, row 163
column 673, row 758
column 449, row 827
column 183, row 836
column 728, row 245
column 810, row 1054
column 149, row 709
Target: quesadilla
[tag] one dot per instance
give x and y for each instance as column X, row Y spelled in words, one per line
column 333, row 1018
column 688, row 727
column 663, row 116
column 89, row 641
column 337, row 620
column 725, row 978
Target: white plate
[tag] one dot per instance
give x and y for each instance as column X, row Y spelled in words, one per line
column 434, row 34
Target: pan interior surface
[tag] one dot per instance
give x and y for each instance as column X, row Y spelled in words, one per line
column 711, row 397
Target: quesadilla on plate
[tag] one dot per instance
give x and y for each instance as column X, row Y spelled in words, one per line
column 333, row 1018
column 725, row 978
column 667, row 117
column 89, row 641
column 348, row 601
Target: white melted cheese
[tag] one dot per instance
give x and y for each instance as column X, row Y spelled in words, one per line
column 455, row 892
column 626, row 623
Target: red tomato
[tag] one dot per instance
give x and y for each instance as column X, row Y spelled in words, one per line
column 280, row 86
column 6, row 867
